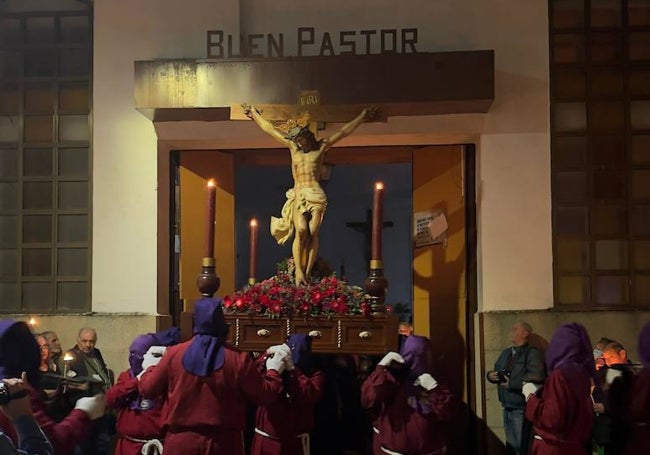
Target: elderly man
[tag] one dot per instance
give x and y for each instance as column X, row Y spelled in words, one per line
column 87, row 362
column 516, row 364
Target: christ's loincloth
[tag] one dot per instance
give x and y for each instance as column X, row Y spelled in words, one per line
column 307, row 199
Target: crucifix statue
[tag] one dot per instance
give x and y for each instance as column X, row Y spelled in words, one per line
column 302, row 214
column 365, row 228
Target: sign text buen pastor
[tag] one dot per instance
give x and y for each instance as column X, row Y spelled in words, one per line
column 362, row 42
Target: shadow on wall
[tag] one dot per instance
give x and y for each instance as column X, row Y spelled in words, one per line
column 449, row 348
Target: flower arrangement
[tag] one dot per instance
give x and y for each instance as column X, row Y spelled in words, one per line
column 326, row 295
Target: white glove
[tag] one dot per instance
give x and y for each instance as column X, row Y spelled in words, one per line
column 153, row 356
column 529, row 389
column 612, row 374
column 426, row 381
column 93, row 406
column 279, row 348
column 391, row 357
column 276, row 362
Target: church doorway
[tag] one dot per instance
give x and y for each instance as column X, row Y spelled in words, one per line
column 433, row 284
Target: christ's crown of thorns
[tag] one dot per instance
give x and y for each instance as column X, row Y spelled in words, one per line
column 291, row 127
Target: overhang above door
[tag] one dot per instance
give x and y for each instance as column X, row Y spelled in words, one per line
column 400, row 84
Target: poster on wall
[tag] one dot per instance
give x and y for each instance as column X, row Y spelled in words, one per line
column 430, row 228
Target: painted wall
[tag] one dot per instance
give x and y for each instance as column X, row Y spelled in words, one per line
column 124, row 141
column 514, row 212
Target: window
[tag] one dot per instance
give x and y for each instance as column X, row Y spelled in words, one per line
column 600, row 152
column 45, row 157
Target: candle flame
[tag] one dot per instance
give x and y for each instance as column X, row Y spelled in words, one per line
column 67, row 357
column 253, row 222
column 379, row 185
column 32, row 322
column 212, row 183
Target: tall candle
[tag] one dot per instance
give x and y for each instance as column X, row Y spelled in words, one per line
column 377, row 220
column 252, row 264
column 211, row 194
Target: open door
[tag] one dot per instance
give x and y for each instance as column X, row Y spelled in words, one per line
column 439, row 270
column 196, row 168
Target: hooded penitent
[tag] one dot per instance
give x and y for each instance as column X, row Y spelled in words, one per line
column 142, row 343
column 19, row 352
column 137, row 350
column 570, row 344
column 570, row 347
column 205, row 353
column 417, row 355
column 301, row 355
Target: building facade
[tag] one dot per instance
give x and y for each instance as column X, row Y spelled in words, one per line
column 560, row 157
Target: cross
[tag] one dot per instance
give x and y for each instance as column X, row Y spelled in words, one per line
column 365, row 227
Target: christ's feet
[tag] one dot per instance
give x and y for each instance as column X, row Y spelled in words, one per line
column 300, row 278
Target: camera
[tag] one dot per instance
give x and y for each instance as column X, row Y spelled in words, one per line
column 503, row 375
column 6, row 397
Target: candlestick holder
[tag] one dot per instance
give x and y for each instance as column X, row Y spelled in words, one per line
column 208, row 282
column 375, row 286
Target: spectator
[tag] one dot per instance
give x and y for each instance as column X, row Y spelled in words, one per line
column 632, row 408
column 598, row 352
column 615, row 354
column 15, row 405
column 19, row 352
column 54, row 346
column 87, row 362
column 516, row 364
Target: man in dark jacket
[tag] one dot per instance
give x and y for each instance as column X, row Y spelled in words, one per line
column 87, row 362
column 516, row 364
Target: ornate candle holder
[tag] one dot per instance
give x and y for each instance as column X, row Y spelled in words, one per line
column 375, row 286
column 208, row 282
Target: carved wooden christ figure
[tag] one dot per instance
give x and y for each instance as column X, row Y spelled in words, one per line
column 302, row 213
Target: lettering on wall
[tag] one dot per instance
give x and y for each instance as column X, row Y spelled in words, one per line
column 221, row 45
